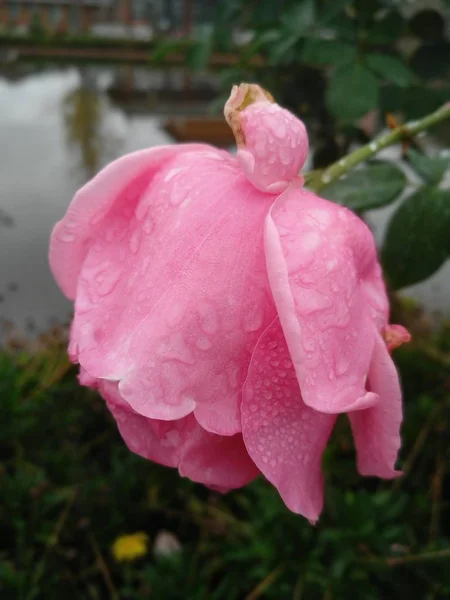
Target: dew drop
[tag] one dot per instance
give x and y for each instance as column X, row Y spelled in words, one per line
column 174, row 314
column 342, row 365
column 107, row 282
column 208, row 317
column 172, row 173
column 67, row 236
column 285, row 156
column 203, row 343
column 135, row 241
column 178, row 195
column 308, row 344
column 96, row 218
column 149, row 225
column 254, row 318
column 141, row 211
column 280, row 130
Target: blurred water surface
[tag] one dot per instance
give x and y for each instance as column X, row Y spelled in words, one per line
column 58, row 127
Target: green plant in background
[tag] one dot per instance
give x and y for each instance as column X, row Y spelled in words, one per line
column 71, row 491
column 331, row 61
column 341, row 58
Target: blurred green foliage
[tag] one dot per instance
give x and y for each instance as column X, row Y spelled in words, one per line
column 362, row 55
column 69, row 488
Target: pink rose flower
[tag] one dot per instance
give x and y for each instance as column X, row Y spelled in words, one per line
column 226, row 314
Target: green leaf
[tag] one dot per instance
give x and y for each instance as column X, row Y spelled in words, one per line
column 430, row 168
column 352, row 92
column 300, row 18
column 295, row 23
column 413, row 102
column 327, row 52
column 391, row 68
column 387, row 30
column 371, row 187
column 345, row 27
column 280, row 49
column 198, row 56
column 417, row 239
column 329, row 10
column 259, row 42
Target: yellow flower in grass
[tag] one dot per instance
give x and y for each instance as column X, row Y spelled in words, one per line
column 129, row 547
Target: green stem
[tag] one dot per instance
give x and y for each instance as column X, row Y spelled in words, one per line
column 342, row 166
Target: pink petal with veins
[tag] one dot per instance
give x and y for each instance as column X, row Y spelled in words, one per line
column 174, row 323
column 219, row 462
column 284, row 437
column 214, row 296
column 318, row 254
column 377, row 429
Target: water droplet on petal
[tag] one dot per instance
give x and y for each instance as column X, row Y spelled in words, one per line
column 174, row 314
column 149, row 225
column 107, row 282
column 208, row 317
column 67, row 236
column 203, row 343
column 135, row 241
column 253, row 318
column 172, row 173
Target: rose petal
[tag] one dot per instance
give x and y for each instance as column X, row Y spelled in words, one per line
column 317, row 255
column 127, row 176
column 395, row 336
column 284, row 437
column 173, row 292
column 219, row 462
column 276, row 146
column 376, row 430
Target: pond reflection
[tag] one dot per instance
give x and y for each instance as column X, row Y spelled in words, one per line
column 90, row 137
column 58, row 127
